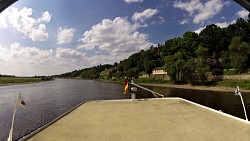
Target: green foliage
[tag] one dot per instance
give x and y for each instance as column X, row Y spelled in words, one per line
column 152, row 80
column 230, row 72
column 119, row 74
column 202, row 69
column 201, row 52
column 212, row 38
column 226, row 62
column 233, row 84
column 239, row 54
column 177, row 68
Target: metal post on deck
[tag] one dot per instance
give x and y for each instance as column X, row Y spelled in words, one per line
column 133, row 94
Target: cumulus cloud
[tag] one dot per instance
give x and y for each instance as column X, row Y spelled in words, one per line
column 22, row 21
column 133, row 1
column 68, row 53
column 39, row 34
column 32, row 55
column 24, row 61
column 3, row 17
column 146, row 14
column 27, row 61
column 118, row 37
column 46, row 17
column 242, row 13
column 221, row 25
column 65, row 35
column 201, row 11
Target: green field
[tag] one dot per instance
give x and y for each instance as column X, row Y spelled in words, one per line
column 9, row 80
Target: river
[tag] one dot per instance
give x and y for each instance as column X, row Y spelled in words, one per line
column 47, row 100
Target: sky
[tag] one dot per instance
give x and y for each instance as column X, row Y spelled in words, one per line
column 47, row 37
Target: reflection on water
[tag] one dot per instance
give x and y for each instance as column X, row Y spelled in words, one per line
column 47, row 100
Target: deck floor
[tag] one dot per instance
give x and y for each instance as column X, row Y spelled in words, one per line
column 149, row 120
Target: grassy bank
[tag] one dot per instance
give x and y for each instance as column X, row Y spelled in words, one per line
column 152, row 80
column 144, row 80
column 233, row 84
column 13, row 80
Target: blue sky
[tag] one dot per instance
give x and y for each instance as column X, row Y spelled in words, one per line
column 45, row 37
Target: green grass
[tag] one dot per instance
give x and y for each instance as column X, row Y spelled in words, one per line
column 233, row 84
column 106, row 72
column 146, row 80
column 7, row 80
column 152, row 80
column 229, row 72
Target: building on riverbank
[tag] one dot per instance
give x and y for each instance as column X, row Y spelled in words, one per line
column 160, row 73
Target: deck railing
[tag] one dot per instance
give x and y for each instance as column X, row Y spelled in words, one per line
column 157, row 95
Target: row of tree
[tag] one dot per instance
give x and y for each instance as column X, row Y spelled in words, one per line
column 187, row 59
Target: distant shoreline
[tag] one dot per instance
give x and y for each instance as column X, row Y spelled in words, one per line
column 10, row 81
column 188, row 86
column 12, row 84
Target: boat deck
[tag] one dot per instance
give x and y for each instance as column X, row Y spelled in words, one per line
column 145, row 120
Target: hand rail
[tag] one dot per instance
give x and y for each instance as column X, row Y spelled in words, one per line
column 153, row 92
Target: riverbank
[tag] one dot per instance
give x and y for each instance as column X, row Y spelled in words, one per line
column 217, row 88
column 8, row 81
column 189, row 86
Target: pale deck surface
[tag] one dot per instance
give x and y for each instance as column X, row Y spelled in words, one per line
column 150, row 120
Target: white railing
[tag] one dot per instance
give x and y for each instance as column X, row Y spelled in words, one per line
column 157, row 95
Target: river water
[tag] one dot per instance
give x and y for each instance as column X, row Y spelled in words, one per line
column 47, row 100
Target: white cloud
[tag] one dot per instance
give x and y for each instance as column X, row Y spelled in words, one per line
column 46, row 17
column 146, row 14
column 225, row 24
column 184, row 21
column 39, row 34
column 67, row 53
column 22, row 21
column 32, row 55
column 27, row 61
column 133, row 1
column 201, row 11
column 65, row 35
column 3, row 19
column 119, row 38
column 190, row 7
column 242, row 13
column 221, row 25
column 198, row 31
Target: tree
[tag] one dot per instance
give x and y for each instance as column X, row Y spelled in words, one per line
column 238, row 54
column 212, row 39
column 127, row 64
column 175, row 66
column 148, row 66
column 202, row 66
column 190, row 43
column 226, row 62
column 202, row 69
